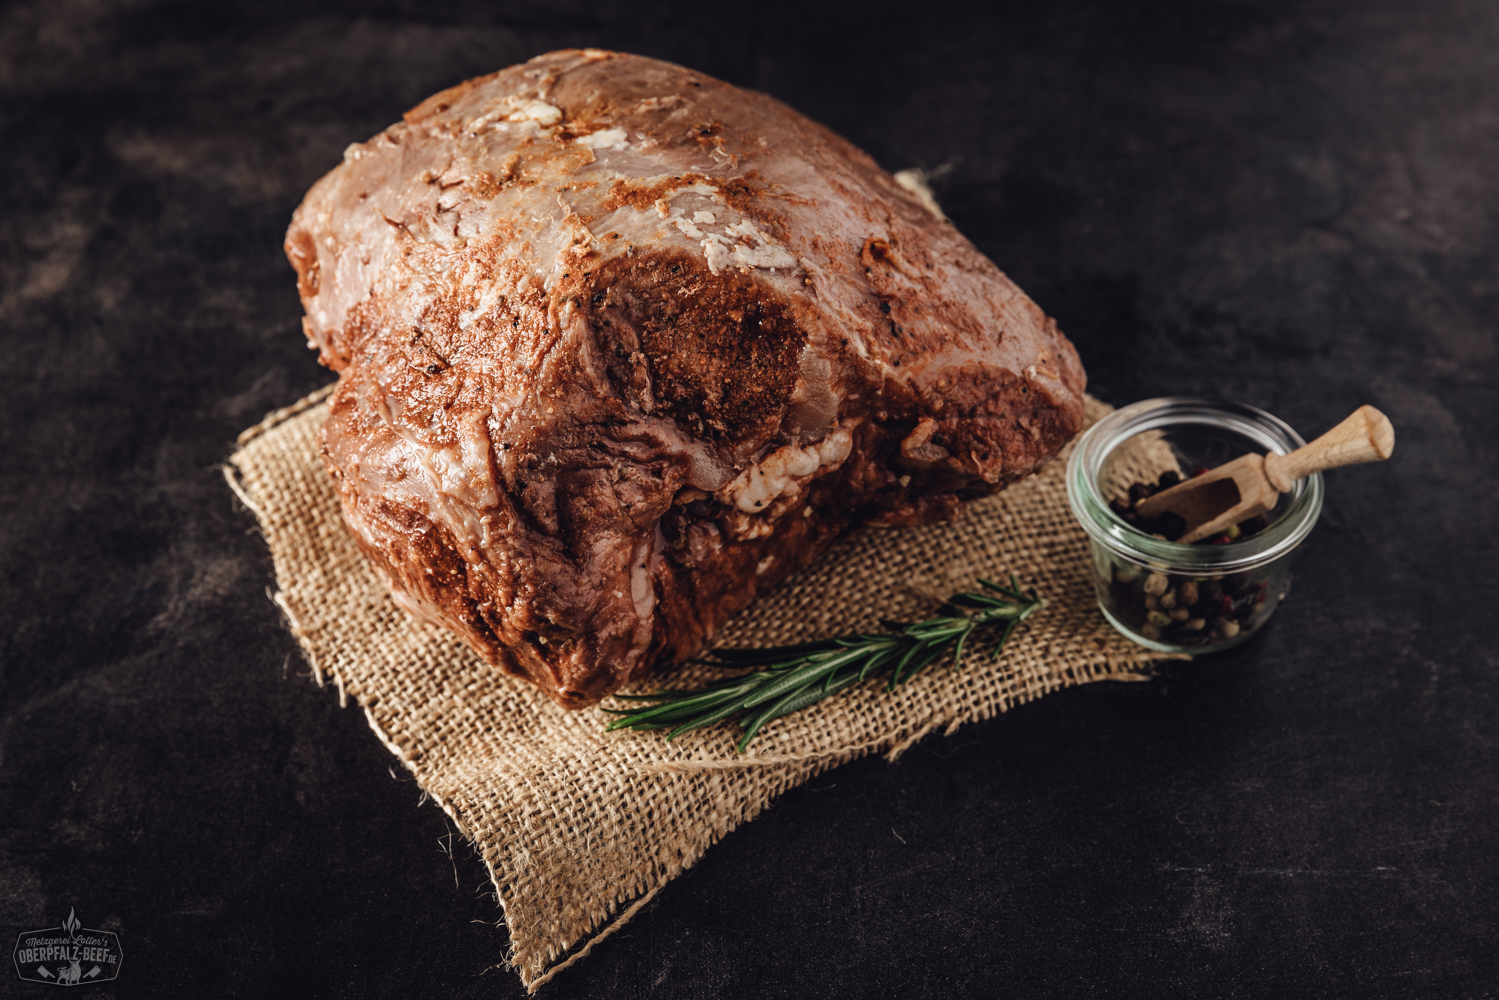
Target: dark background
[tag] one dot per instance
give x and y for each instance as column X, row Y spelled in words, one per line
column 1291, row 204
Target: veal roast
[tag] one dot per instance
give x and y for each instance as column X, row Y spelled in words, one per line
column 620, row 345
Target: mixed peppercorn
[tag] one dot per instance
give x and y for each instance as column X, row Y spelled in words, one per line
column 1184, row 610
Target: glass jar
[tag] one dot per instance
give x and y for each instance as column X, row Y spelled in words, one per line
column 1178, row 598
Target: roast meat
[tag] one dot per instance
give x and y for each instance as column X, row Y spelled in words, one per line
column 621, row 346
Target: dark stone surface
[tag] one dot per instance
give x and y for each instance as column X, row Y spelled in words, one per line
column 1292, row 204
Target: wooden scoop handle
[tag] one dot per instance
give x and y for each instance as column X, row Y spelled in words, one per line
column 1366, row 436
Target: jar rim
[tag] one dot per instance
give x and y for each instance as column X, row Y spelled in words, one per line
column 1113, row 532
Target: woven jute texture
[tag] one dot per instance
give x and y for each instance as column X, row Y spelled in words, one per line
column 580, row 828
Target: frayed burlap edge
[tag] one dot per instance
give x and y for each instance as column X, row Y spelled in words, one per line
column 580, row 829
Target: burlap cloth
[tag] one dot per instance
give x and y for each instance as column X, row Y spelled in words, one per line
column 579, row 828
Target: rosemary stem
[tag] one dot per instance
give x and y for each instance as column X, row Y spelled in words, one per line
column 793, row 677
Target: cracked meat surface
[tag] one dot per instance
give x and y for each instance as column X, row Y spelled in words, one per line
column 621, row 346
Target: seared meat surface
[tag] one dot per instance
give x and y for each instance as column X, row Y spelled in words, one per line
column 621, row 345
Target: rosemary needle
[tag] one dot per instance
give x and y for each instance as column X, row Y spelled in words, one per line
column 792, row 677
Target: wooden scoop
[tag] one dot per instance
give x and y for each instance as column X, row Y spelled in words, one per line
column 1250, row 484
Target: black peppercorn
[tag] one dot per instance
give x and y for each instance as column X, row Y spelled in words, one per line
column 1172, row 525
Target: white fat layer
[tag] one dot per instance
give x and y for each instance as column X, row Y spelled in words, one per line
column 769, row 257
column 765, row 252
column 609, row 138
column 759, row 485
column 537, row 111
column 1044, row 376
column 515, row 109
column 663, row 204
column 642, row 592
column 738, row 242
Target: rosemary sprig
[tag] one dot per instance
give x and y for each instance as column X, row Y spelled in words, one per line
column 793, row 677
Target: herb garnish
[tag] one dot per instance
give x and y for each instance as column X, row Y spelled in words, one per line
column 796, row 676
